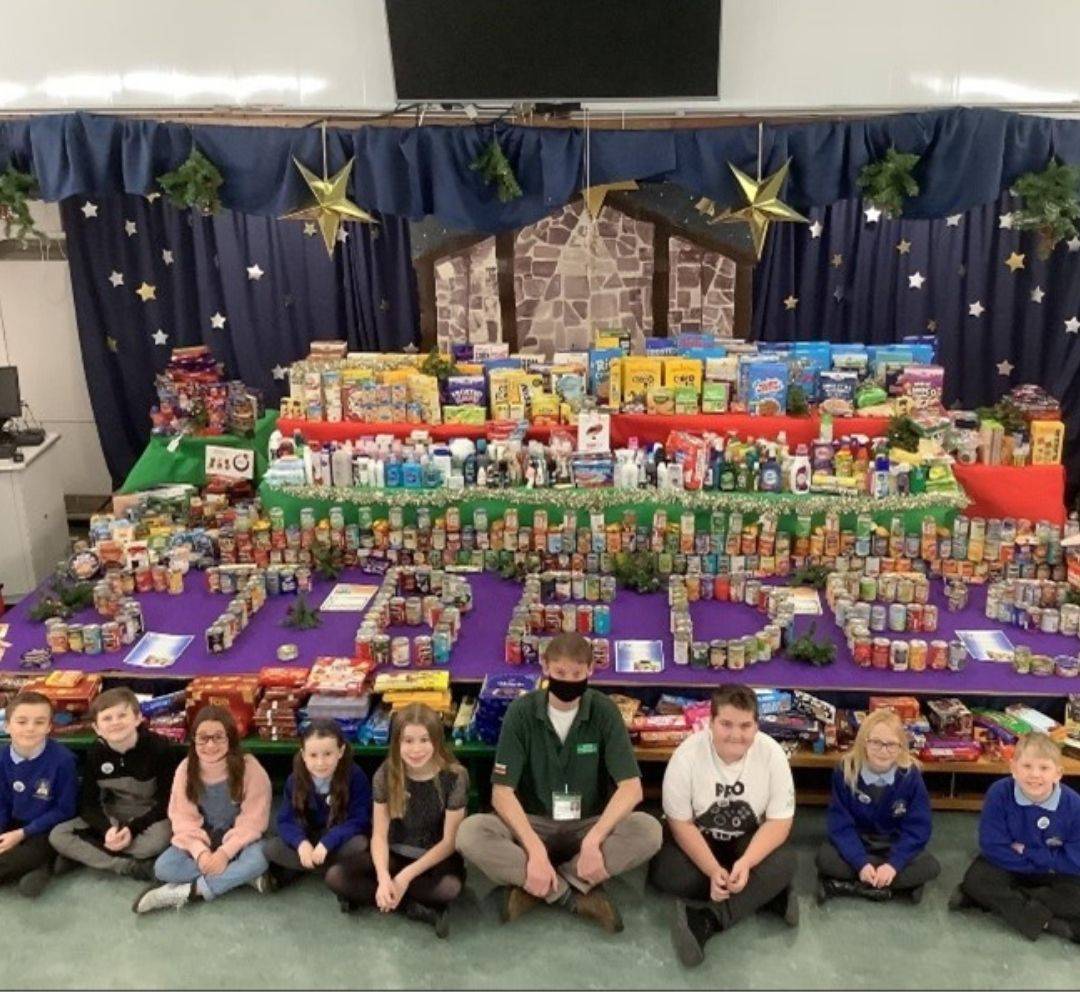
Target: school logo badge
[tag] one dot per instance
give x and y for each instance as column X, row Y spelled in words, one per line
column 899, row 808
column 865, row 799
column 1042, row 822
column 108, row 768
column 42, row 790
column 19, row 786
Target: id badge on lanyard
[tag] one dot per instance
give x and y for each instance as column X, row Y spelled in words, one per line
column 566, row 805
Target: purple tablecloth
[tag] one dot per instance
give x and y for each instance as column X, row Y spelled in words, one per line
column 480, row 648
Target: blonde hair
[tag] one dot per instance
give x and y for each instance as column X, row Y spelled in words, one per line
column 1039, row 742
column 856, row 757
column 415, row 715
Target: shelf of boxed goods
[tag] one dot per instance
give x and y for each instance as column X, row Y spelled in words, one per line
column 325, row 431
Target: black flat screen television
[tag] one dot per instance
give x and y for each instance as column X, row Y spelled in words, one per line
column 550, row 50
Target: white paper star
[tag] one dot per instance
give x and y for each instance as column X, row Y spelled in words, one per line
column 1005, row 222
column 342, row 235
column 309, row 229
column 160, row 337
column 166, row 256
column 791, row 302
column 130, row 228
column 903, row 246
column 116, row 278
column 217, row 321
column 280, row 371
column 1072, row 326
column 1005, row 367
column 89, row 209
column 915, row 281
column 873, row 215
column 816, row 229
column 976, row 309
column 1073, row 243
column 151, row 197
column 254, row 272
column 1037, row 294
column 953, row 220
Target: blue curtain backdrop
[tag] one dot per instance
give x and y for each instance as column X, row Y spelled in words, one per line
column 1002, row 315
column 148, row 278
column 969, row 157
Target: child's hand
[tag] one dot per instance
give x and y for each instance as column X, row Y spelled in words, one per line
column 885, row 875
column 386, row 897
column 117, row 838
column 216, row 863
column 1017, row 847
column 868, row 875
column 718, row 890
column 304, row 853
column 318, row 855
column 738, row 877
column 11, row 839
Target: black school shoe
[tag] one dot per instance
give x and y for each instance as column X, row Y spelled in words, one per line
column 437, row 918
column 959, row 900
column 141, row 869
column 33, row 883
column 831, row 887
column 63, row 866
column 691, row 928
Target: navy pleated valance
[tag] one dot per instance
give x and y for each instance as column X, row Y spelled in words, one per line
column 969, row 156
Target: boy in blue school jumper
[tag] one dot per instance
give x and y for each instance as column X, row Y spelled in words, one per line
column 1028, row 871
column 878, row 819
column 39, row 788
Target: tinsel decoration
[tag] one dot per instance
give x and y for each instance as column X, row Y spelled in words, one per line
column 194, row 184
column 1050, row 204
column 609, row 498
column 16, row 190
column 887, row 182
column 495, row 167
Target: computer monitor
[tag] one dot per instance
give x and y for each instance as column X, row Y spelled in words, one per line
column 10, row 400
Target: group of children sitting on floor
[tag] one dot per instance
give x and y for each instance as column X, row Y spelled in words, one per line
column 198, row 829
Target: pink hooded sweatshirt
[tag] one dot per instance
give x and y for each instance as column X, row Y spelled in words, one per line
column 251, row 821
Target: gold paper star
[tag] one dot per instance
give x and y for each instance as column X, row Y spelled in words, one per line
column 594, row 195
column 1015, row 262
column 903, row 246
column 837, row 260
column 112, row 344
column 146, row 292
column 763, row 205
column 331, row 205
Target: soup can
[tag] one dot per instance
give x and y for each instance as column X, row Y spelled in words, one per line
column 899, row 656
column 938, row 656
column 400, row 652
column 92, row 641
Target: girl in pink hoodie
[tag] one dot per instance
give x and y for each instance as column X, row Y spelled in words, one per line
column 220, row 809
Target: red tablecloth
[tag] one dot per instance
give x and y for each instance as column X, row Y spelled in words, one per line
column 648, row 428
column 1033, row 492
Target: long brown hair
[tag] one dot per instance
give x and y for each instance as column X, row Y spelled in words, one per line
column 415, row 715
column 856, row 757
column 303, row 785
column 234, row 757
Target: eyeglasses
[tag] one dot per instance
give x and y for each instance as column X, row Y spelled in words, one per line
column 889, row 747
column 201, row 740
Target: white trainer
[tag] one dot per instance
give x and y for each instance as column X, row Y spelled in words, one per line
column 262, row 884
column 171, row 896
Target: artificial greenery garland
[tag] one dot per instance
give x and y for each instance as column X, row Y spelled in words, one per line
column 495, row 167
column 806, row 649
column 438, row 365
column 1051, row 204
column 16, row 190
column 67, row 597
column 194, row 184
column 637, row 570
column 887, row 182
column 301, row 616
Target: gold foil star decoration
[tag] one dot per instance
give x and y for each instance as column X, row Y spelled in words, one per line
column 331, row 205
column 1015, row 261
column 594, row 195
column 763, row 205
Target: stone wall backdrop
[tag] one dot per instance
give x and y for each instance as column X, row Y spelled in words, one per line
column 572, row 274
column 701, row 289
column 467, row 296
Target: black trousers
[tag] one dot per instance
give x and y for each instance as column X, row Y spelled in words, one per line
column 33, row 852
column 1026, row 902
column 343, row 861
column 673, row 872
column 921, row 869
column 436, row 887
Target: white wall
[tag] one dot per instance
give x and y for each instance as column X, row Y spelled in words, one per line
column 335, row 54
column 38, row 334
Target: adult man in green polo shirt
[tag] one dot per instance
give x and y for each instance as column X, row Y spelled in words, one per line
column 564, row 788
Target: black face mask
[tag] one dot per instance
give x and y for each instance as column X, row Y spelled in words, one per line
column 565, row 690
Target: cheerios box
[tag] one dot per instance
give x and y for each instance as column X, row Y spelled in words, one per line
column 639, row 375
column 763, row 386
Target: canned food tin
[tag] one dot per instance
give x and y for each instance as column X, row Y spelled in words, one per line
column 381, row 647
column 878, row 617
column 423, row 651
column 897, row 617
column 400, row 651
column 736, row 655
column 918, row 651
column 601, row 652
column 75, row 637
column 914, row 618
column 929, row 618
column 602, row 620
column 111, row 637
column 957, row 655
column 938, row 657
column 898, row 656
column 718, row 654
column 862, row 651
column 880, row 653
column 1022, row 659
column 699, row 654
column 92, row 643
column 56, row 635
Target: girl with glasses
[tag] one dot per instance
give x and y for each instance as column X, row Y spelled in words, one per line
column 220, row 809
column 878, row 819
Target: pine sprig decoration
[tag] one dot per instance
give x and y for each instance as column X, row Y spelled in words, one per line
column 1050, row 204
column 797, row 403
column 302, row 616
column 194, row 184
column 438, row 365
column 68, row 596
column 329, row 562
column 903, row 434
column 495, row 167
column 887, row 182
column 637, row 570
column 16, row 190
column 817, row 653
column 811, row 574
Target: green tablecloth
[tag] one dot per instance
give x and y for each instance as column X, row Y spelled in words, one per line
column 614, row 503
column 158, row 466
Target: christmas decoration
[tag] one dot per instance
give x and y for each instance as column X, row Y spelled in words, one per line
column 594, row 195
column 887, row 182
column 16, row 189
column 495, row 167
column 903, row 434
column 301, row 616
column 763, row 205
column 638, row 571
column 194, row 184
column 1051, row 204
column 67, row 598
column 812, row 574
column 438, row 365
column 332, row 204
column 817, row 653
column 329, row 562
